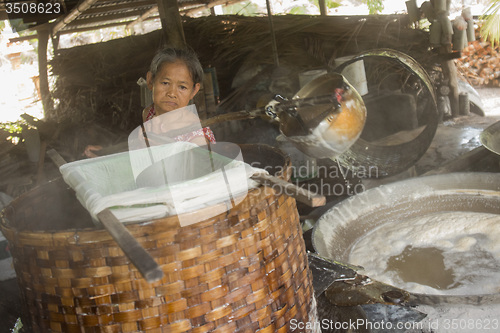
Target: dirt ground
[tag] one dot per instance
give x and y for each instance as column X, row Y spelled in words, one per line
column 459, row 135
column 491, row 100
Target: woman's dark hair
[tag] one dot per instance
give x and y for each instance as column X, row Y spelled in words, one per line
column 170, row 55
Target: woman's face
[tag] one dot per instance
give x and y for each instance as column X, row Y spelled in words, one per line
column 173, row 87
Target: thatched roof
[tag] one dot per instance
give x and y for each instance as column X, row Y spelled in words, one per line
column 95, row 80
column 77, row 16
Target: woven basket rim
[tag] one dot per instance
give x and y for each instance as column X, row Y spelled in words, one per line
column 168, row 221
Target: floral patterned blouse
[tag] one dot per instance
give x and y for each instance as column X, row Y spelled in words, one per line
column 186, row 137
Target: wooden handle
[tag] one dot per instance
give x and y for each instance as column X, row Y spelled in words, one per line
column 141, row 259
column 56, row 158
column 300, row 194
column 239, row 115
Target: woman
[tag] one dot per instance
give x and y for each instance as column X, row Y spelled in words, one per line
column 174, row 77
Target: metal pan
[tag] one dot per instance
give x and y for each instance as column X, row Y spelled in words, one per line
column 490, row 138
column 342, row 226
column 391, row 158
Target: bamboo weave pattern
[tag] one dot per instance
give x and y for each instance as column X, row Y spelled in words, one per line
column 242, row 271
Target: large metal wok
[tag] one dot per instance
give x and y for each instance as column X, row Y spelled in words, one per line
column 342, row 226
column 490, row 138
column 322, row 120
column 404, row 148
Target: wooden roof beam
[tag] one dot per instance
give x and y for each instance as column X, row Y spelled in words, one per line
column 97, row 27
column 144, row 16
column 23, row 38
column 70, row 31
column 104, row 19
column 209, row 5
column 71, row 16
column 99, row 9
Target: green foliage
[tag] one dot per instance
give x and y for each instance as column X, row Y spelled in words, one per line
column 332, row 4
column 15, row 129
column 329, row 3
column 12, row 127
column 246, row 8
column 299, row 10
column 18, row 326
column 18, row 25
column 490, row 29
column 374, row 6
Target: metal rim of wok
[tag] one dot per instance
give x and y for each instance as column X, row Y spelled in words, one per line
column 322, row 116
column 339, row 228
column 393, row 159
column 490, row 138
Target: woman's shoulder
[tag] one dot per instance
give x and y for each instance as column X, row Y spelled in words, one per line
column 148, row 112
column 190, row 116
column 188, row 119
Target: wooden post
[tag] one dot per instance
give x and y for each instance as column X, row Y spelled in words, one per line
column 55, row 42
column 43, row 40
column 322, row 7
column 450, row 72
column 273, row 35
column 141, row 18
column 443, row 27
column 171, row 23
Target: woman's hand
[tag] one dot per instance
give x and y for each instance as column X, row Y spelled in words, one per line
column 89, row 151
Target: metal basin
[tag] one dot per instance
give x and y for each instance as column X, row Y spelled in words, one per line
column 490, row 138
column 400, row 150
column 338, row 230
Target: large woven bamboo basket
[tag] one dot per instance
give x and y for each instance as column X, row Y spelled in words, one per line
column 242, row 271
